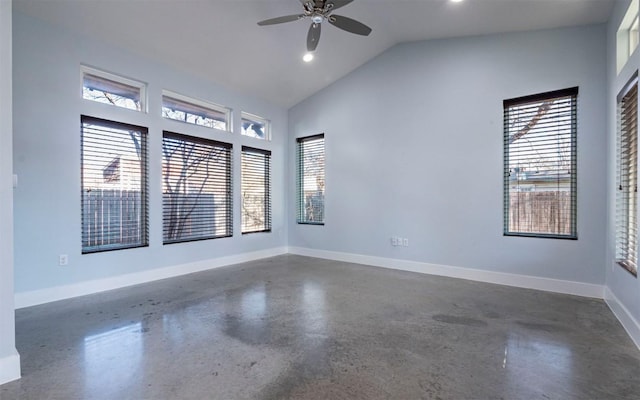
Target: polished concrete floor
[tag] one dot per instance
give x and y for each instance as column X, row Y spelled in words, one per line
column 293, row 327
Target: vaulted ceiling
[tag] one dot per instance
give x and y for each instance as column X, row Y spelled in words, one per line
column 219, row 40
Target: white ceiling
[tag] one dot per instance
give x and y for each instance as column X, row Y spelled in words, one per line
column 220, row 41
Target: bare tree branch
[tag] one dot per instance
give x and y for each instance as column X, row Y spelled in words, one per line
column 542, row 110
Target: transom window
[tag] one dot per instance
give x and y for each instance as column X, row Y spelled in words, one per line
column 627, row 36
column 108, row 88
column 540, row 133
column 634, row 38
column 193, row 111
column 255, row 127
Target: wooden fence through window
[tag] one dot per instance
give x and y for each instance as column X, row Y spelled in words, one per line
column 547, row 212
column 111, row 217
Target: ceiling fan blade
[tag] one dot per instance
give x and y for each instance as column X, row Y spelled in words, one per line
column 280, row 20
column 339, row 3
column 313, row 37
column 349, row 25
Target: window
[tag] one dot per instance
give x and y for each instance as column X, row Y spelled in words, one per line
column 627, row 35
column 633, row 36
column 108, row 88
column 627, row 177
column 197, row 112
column 540, row 165
column 114, row 185
column 311, row 180
column 256, row 190
column 196, row 188
column 255, row 127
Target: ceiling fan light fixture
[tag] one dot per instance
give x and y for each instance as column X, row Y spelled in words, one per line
column 318, row 11
column 308, row 57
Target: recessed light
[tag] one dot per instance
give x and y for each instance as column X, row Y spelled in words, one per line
column 307, row 57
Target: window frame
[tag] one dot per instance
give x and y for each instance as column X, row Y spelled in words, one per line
column 86, row 70
column 300, row 201
column 144, row 183
column 255, row 118
column 573, row 125
column 267, row 189
column 190, row 101
column 228, row 178
column 626, row 227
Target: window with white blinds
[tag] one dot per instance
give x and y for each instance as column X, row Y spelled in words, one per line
column 196, row 188
column 627, row 178
column 114, row 185
column 310, row 182
column 256, row 190
column 540, row 139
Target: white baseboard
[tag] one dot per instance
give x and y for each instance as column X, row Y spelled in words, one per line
column 502, row 278
column 629, row 323
column 35, row 297
column 31, row 298
column 10, row 368
column 10, row 365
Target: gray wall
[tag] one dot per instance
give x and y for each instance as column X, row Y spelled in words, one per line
column 623, row 285
column 414, row 149
column 47, row 109
column 9, row 361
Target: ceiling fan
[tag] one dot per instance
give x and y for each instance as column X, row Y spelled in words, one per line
column 319, row 11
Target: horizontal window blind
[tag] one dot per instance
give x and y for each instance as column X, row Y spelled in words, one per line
column 114, row 185
column 92, row 82
column 108, row 88
column 627, row 178
column 540, row 139
column 256, row 190
column 194, row 111
column 196, row 188
column 310, row 183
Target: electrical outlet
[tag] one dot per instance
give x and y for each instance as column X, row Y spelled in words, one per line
column 63, row 259
column 405, row 242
